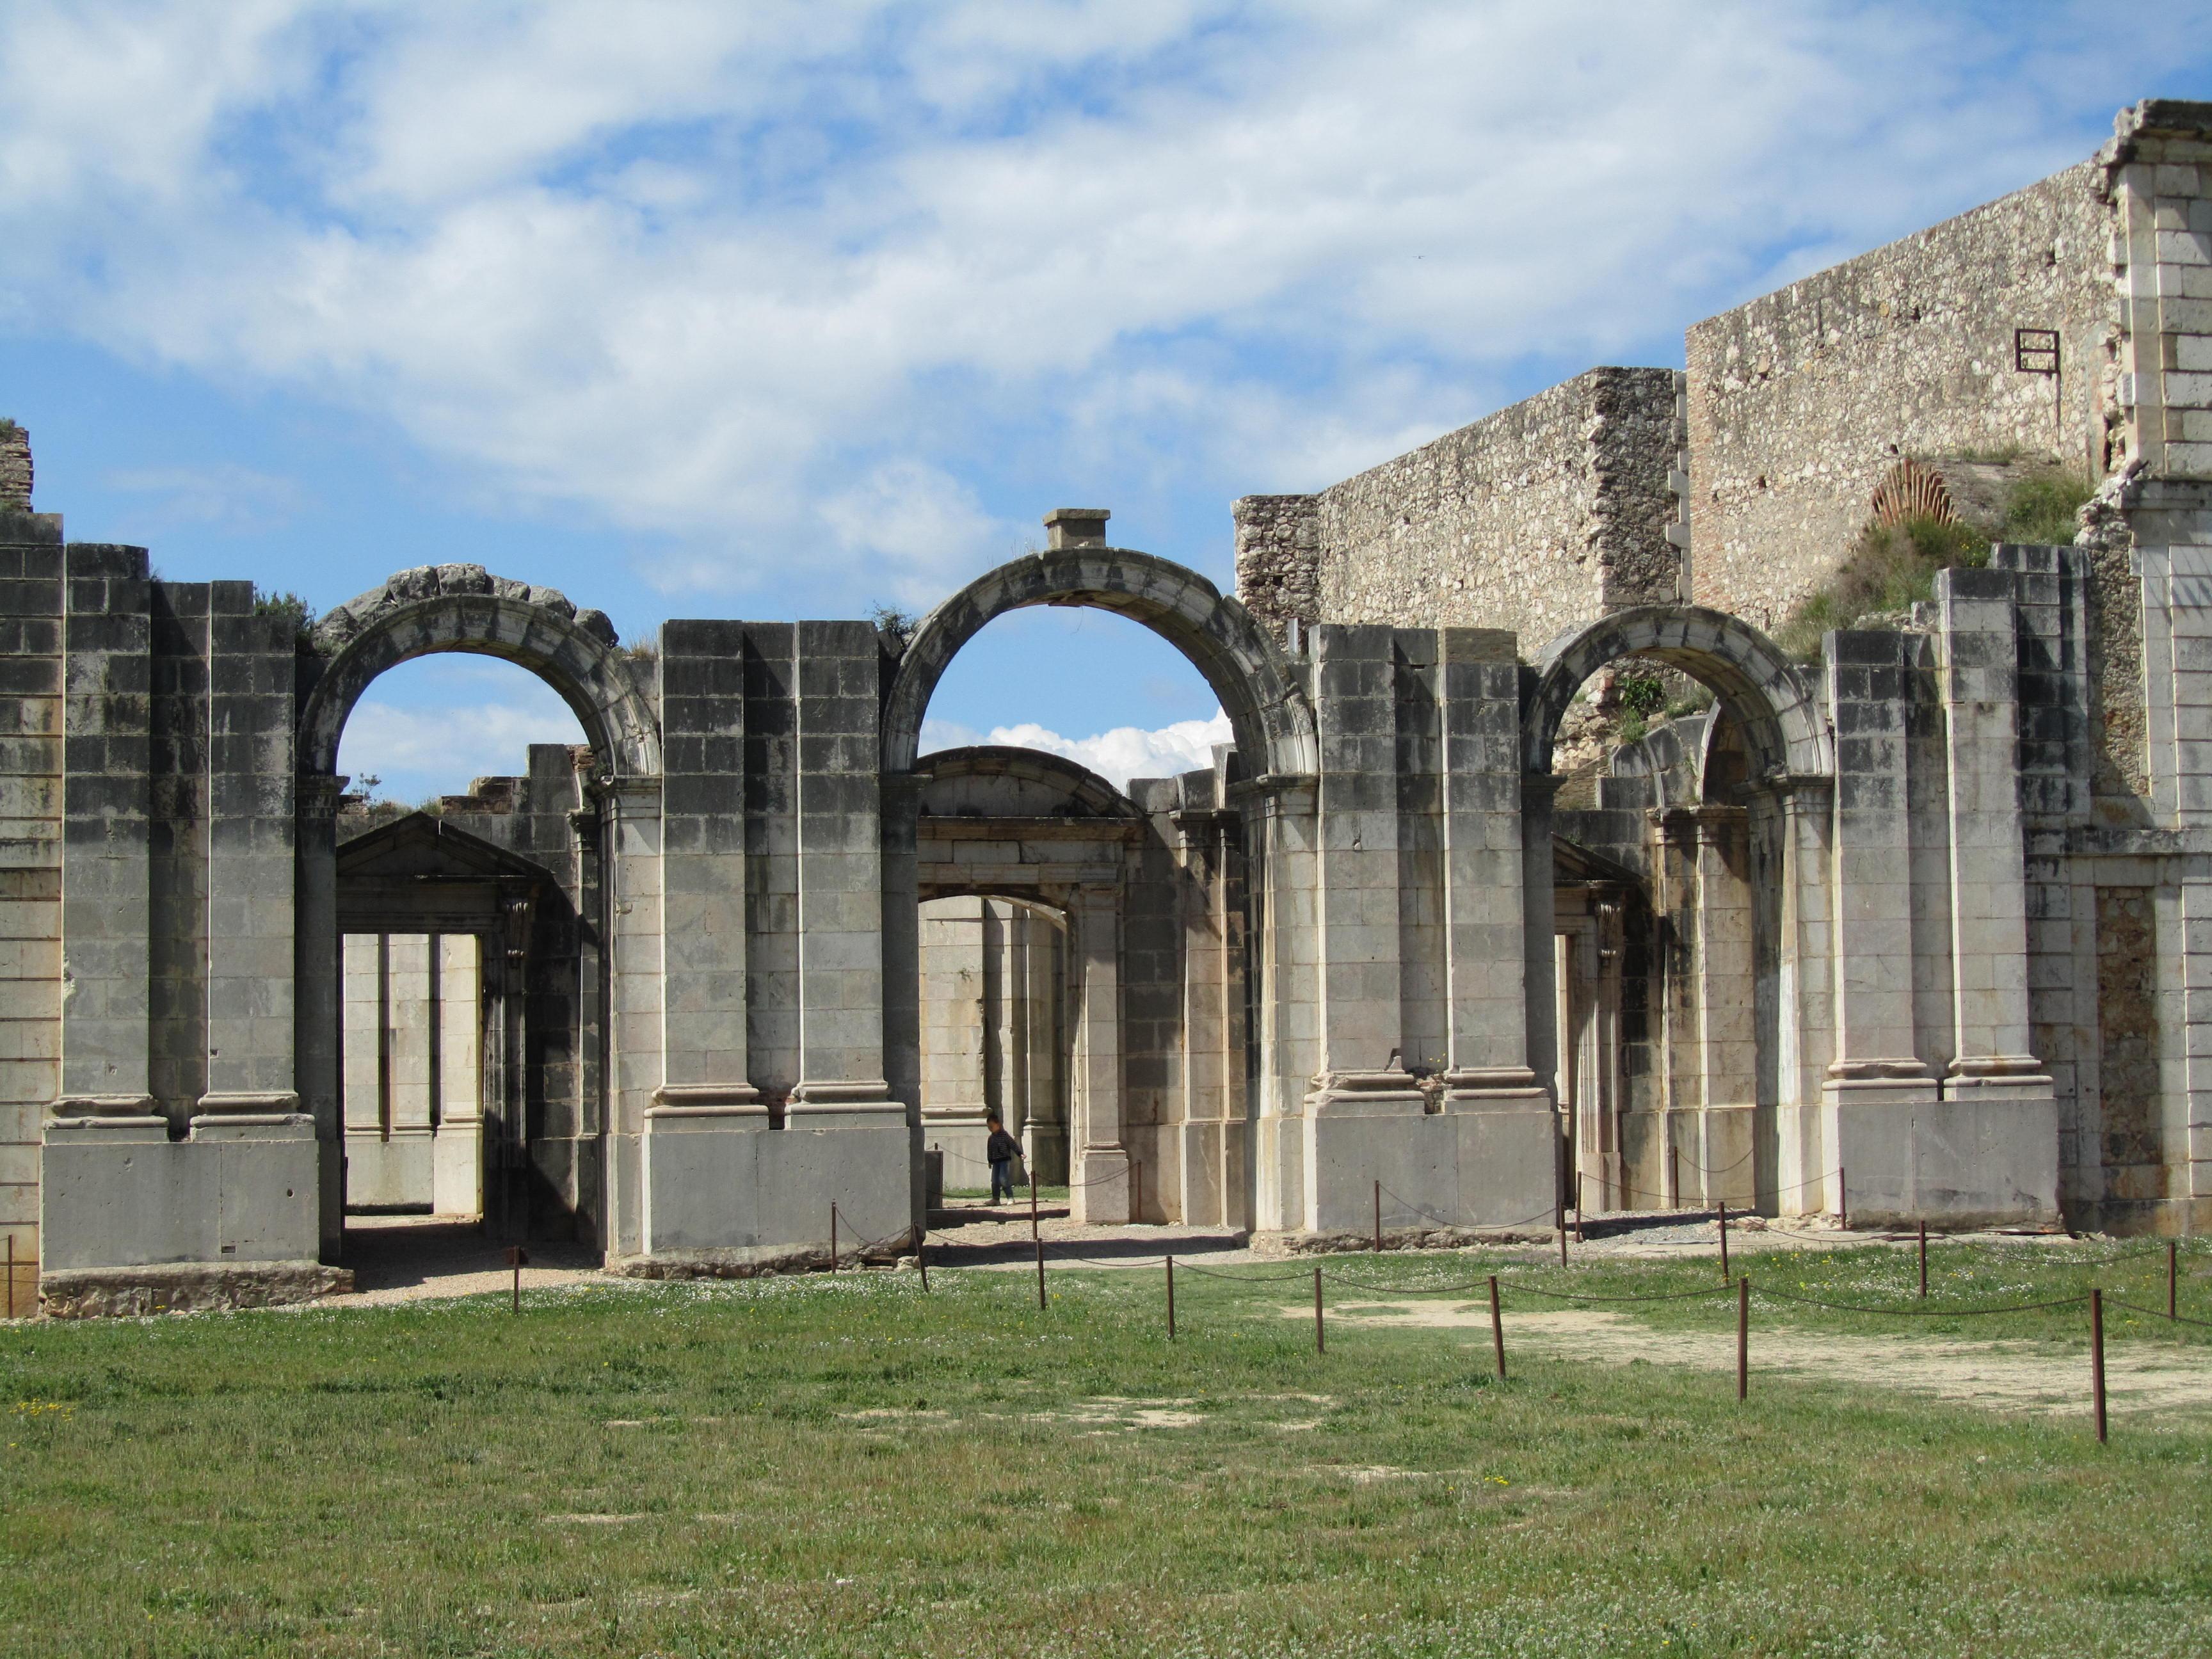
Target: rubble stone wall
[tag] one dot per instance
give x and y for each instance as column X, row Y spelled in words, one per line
column 1537, row 519
column 1800, row 403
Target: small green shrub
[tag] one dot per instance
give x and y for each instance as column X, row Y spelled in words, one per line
column 288, row 604
column 1633, row 726
column 1641, row 694
column 1697, row 699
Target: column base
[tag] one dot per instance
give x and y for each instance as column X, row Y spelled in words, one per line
column 1099, row 1190
column 1911, row 1149
column 720, row 1179
column 136, row 1293
column 1489, row 1158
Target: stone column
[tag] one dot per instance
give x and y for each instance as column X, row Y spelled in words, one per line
column 1806, row 996
column 1506, row 1126
column 316, row 1009
column 252, row 1026
column 1877, row 1086
column 841, row 926
column 107, row 892
column 1099, row 1172
column 1279, row 831
column 703, row 711
column 457, row 1152
column 1726, row 1039
column 1989, row 894
column 630, row 812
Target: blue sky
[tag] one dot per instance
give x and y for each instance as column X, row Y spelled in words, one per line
column 773, row 310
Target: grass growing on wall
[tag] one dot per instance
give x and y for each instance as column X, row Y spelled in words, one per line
column 1893, row 568
column 840, row 1465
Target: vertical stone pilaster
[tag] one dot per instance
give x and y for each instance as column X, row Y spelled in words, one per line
column 841, row 926
column 1726, row 1041
column 252, row 860
column 317, row 1007
column 629, row 813
column 1100, row 1169
column 1356, row 878
column 703, row 870
column 1806, row 997
column 106, row 834
column 1979, row 678
column 1486, row 968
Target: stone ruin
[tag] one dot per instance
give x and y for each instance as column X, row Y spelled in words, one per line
column 1906, row 923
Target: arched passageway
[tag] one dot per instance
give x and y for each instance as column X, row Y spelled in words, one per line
column 1676, row 986
column 1153, row 889
column 590, row 823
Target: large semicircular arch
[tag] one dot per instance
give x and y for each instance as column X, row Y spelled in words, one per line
column 1761, row 689
column 534, row 629
column 1273, row 725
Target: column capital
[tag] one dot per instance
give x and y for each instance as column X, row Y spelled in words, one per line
column 318, row 795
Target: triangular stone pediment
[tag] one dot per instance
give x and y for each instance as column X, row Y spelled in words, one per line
column 422, row 845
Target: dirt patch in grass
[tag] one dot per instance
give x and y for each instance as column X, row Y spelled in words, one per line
column 1112, row 1412
column 2003, row 1375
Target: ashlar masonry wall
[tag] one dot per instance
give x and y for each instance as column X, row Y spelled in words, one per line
column 1536, row 519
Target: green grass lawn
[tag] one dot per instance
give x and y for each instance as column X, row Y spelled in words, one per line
column 845, row 1466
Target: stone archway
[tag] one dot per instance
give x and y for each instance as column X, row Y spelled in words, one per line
column 1274, row 727
column 1760, row 687
column 1744, row 874
column 463, row 608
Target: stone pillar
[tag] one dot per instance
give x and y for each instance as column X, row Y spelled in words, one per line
column 1988, row 895
column 316, row 1008
column 1505, row 1128
column 1279, row 831
column 840, row 931
column 108, row 641
column 630, row 812
column 1877, row 1087
column 1539, row 963
column 1806, row 997
column 1361, row 1080
column 702, row 712
column 1726, row 1039
column 1099, row 1175
column 457, row 1154
column 1997, row 1155
column 1044, row 993
column 252, row 1026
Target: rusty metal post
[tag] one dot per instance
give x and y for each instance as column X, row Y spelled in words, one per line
column 1924, row 1261
column 1040, row 1255
column 833, row 1238
column 1170, row 1298
column 1743, row 1338
column 1559, row 1226
column 1673, row 1177
column 1378, row 1218
column 2097, row 1356
column 1321, row 1345
column 516, row 1255
column 1843, row 1200
column 1724, row 1255
column 922, row 1260
column 1497, row 1329
column 2172, row 1253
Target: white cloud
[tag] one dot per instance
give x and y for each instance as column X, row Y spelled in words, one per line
column 1125, row 753
column 418, row 752
column 804, row 286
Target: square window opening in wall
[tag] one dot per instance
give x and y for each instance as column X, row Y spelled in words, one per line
column 2035, row 351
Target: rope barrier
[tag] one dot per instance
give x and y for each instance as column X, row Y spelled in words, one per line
column 2160, row 1313
column 1591, row 1296
column 1928, row 1313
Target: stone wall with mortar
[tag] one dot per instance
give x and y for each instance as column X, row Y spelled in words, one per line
column 1800, row 402
column 1535, row 520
